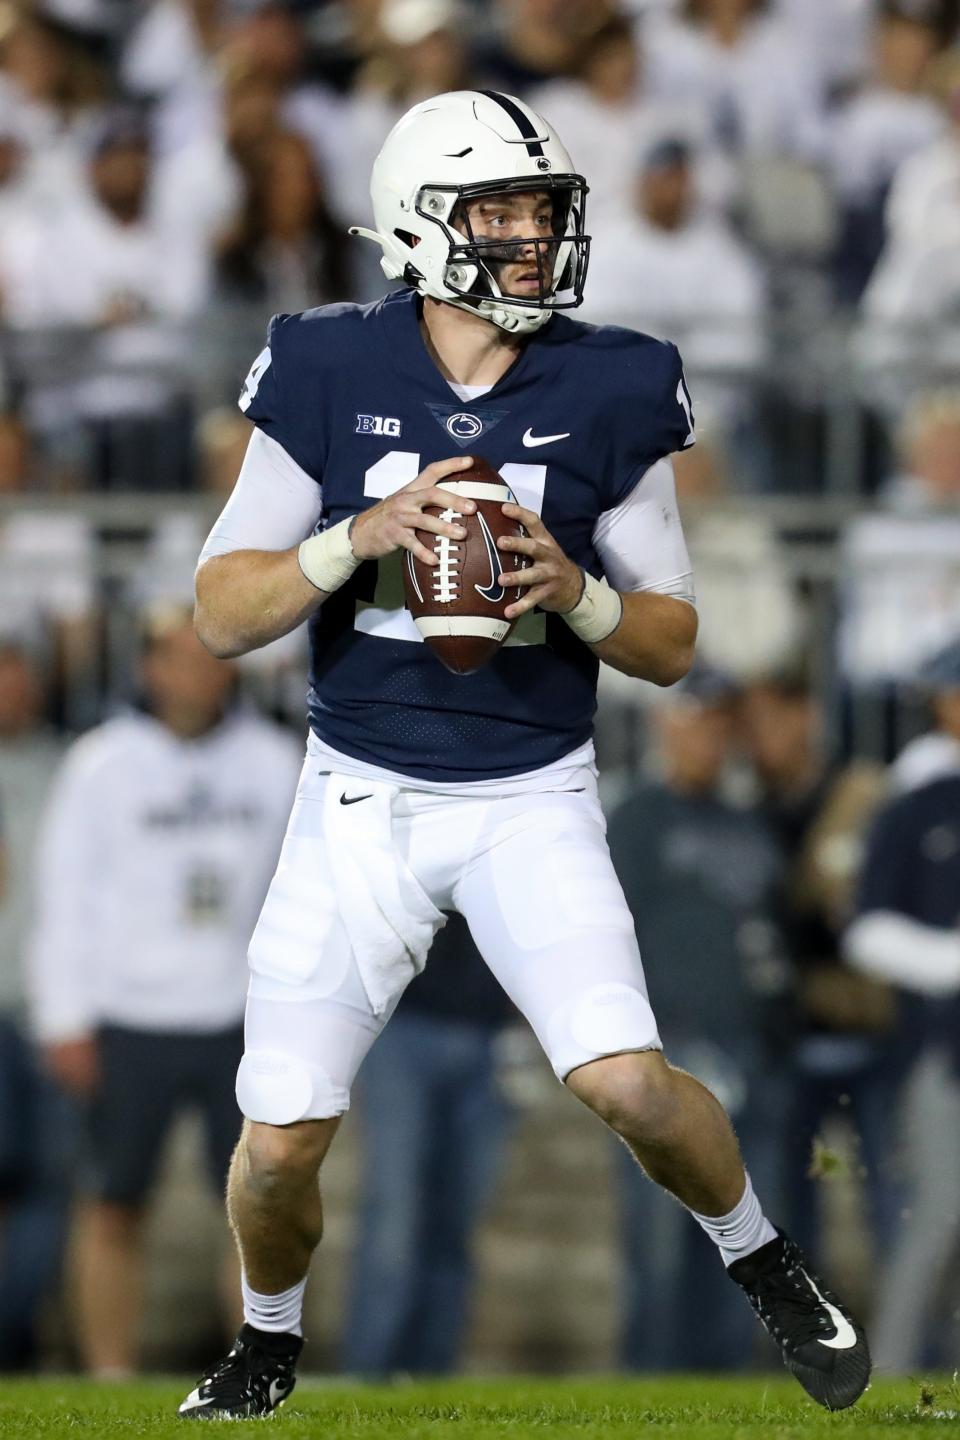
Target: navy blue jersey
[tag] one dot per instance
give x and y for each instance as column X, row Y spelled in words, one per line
column 912, row 866
column 913, row 856
column 351, row 393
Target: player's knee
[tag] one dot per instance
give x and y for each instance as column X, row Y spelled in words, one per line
column 634, row 1094
column 278, row 1089
column 280, row 1157
column 599, row 1022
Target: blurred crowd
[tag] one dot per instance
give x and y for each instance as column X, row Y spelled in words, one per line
column 773, row 185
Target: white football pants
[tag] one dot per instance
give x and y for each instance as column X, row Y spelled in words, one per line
column 530, row 873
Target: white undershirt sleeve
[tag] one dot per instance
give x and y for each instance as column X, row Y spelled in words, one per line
column 274, row 505
column 904, row 951
column 640, row 542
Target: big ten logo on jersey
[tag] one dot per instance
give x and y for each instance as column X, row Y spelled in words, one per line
column 378, row 425
column 386, row 614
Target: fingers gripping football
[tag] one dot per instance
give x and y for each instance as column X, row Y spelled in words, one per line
column 551, row 579
column 392, row 523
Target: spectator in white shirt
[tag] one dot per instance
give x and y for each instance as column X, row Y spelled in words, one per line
column 604, row 112
column 56, row 89
column 902, row 565
column 923, row 198
column 683, row 276
column 889, row 119
column 909, row 336
column 835, row 33
column 743, row 69
column 121, row 287
column 170, row 59
column 162, row 833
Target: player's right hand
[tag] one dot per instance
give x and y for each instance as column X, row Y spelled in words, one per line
column 392, row 523
column 74, row 1064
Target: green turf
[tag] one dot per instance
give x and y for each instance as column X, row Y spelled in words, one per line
column 707, row 1409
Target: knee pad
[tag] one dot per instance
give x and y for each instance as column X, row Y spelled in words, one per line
column 604, row 1020
column 277, row 1089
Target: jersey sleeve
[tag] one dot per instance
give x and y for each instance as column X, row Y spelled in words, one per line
column 269, row 395
column 261, row 398
column 659, row 421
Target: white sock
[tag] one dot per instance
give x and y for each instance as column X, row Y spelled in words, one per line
column 281, row 1314
column 741, row 1232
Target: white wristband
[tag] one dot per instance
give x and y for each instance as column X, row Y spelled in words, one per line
column 327, row 559
column 597, row 613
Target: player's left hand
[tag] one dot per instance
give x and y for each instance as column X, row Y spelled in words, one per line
column 552, row 580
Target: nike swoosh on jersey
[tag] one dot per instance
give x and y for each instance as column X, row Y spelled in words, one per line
column 529, row 439
column 846, row 1336
column 346, row 799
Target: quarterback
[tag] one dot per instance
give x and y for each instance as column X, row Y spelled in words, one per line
column 423, row 791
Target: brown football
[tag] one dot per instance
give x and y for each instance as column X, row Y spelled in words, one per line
column 458, row 604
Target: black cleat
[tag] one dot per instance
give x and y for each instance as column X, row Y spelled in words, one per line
column 821, row 1343
column 255, row 1378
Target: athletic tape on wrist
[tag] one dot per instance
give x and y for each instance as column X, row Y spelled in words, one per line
column 597, row 613
column 327, row 560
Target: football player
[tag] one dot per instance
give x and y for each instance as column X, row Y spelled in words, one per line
column 423, row 791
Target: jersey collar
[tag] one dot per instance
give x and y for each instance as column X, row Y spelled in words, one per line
column 400, row 315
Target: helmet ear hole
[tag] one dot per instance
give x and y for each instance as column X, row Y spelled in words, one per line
column 407, row 238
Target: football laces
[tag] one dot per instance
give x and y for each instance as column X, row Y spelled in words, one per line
column 446, row 575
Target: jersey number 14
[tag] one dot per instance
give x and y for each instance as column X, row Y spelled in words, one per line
column 386, row 614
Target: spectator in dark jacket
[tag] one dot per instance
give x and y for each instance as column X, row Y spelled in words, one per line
column 907, row 932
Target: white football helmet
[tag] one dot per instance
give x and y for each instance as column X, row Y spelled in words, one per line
column 457, row 147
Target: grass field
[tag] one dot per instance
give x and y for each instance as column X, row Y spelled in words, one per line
column 708, row 1409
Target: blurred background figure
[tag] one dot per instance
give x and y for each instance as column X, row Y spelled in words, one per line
column 746, row 71
column 53, row 88
column 751, row 609
column 112, row 290
column 434, row 1123
column 891, row 116
column 901, row 593
column 273, row 675
column 903, row 344
column 671, row 271
column 604, row 103
column 285, row 251
column 905, row 934
column 37, row 1129
column 48, row 594
column 534, row 40
column 848, row 1062
column 701, row 876
column 138, row 985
